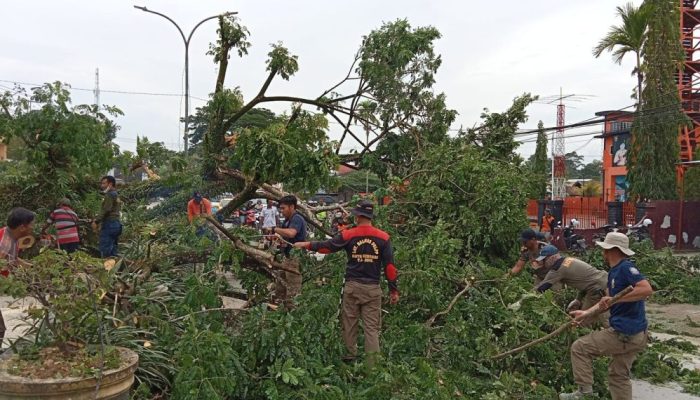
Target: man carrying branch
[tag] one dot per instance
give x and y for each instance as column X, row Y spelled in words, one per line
column 369, row 251
column 627, row 334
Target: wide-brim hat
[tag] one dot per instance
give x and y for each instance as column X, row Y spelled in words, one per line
column 364, row 209
column 616, row 239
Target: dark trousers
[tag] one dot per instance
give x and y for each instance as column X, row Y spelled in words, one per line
column 109, row 238
column 2, row 327
column 70, row 247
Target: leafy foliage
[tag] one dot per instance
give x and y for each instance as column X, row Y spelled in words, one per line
column 302, row 153
column 64, row 148
column 655, row 148
column 630, row 37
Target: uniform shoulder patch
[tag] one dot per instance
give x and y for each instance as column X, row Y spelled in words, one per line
column 567, row 262
column 634, row 271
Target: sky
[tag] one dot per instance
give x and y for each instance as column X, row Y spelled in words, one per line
column 491, row 52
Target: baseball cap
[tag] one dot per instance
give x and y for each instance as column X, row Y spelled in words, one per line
column 529, row 234
column 547, row 251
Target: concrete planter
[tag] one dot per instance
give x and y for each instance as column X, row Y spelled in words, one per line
column 115, row 384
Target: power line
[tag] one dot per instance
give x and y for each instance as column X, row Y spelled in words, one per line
column 107, row 91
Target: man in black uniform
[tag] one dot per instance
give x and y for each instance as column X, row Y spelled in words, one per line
column 369, row 252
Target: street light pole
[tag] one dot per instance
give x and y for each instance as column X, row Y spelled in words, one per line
column 186, row 40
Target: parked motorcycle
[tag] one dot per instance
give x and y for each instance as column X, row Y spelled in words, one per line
column 639, row 231
column 600, row 236
column 574, row 242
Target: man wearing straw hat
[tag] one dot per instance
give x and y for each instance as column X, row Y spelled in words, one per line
column 369, row 252
column 627, row 334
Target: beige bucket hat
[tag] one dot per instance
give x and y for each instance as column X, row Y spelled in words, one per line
column 616, row 239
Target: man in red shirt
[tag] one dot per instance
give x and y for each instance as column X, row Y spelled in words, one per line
column 66, row 221
column 20, row 223
column 369, row 252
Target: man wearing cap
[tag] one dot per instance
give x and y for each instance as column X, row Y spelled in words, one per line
column 589, row 281
column 369, row 252
column 532, row 243
column 197, row 206
column 292, row 231
column 627, row 334
column 66, row 222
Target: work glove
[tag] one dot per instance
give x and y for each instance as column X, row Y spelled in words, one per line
column 574, row 306
column 394, row 297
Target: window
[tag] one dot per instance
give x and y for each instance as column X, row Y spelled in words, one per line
column 620, row 126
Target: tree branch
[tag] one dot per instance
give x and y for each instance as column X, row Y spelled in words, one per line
column 590, row 313
column 432, row 319
column 262, row 257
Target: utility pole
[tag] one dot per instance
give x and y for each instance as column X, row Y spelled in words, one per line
column 96, row 91
column 186, row 40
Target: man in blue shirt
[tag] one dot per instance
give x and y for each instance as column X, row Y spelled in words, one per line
column 293, row 230
column 627, row 334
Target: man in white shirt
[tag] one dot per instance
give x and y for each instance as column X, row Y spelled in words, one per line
column 270, row 218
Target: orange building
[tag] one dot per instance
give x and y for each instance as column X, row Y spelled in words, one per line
column 616, row 138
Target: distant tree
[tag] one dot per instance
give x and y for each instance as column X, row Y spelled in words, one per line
column 574, row 163
column 539, row 163
column 591, row 170
column 655, row 149
column 627, row 38
column 591, row 189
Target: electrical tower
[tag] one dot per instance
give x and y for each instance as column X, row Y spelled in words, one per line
column 558, row 155
column 689, row 78
column 97, row 88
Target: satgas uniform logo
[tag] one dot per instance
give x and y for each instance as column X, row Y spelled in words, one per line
column 365, row 251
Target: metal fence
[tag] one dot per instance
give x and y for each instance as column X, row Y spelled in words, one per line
column 590, row 212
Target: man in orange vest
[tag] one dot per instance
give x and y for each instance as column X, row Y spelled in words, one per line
column 198, row 206
column 547, row 224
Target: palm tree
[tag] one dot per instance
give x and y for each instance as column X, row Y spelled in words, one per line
column 627, row 38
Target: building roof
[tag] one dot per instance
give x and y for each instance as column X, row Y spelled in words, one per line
column 611, row 112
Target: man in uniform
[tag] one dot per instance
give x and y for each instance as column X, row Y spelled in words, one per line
column 20, row 224
column 627, row 334
column 369, row 252
column 532, row 243
column 589, row 281
column 110, row 212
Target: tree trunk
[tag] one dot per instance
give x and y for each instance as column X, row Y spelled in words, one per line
column 640, row 79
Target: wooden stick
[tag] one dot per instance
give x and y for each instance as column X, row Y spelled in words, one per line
column 591, row 312
column 432, row 319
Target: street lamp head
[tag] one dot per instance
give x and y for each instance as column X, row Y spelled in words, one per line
column 226, row 14
column 142, row 8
